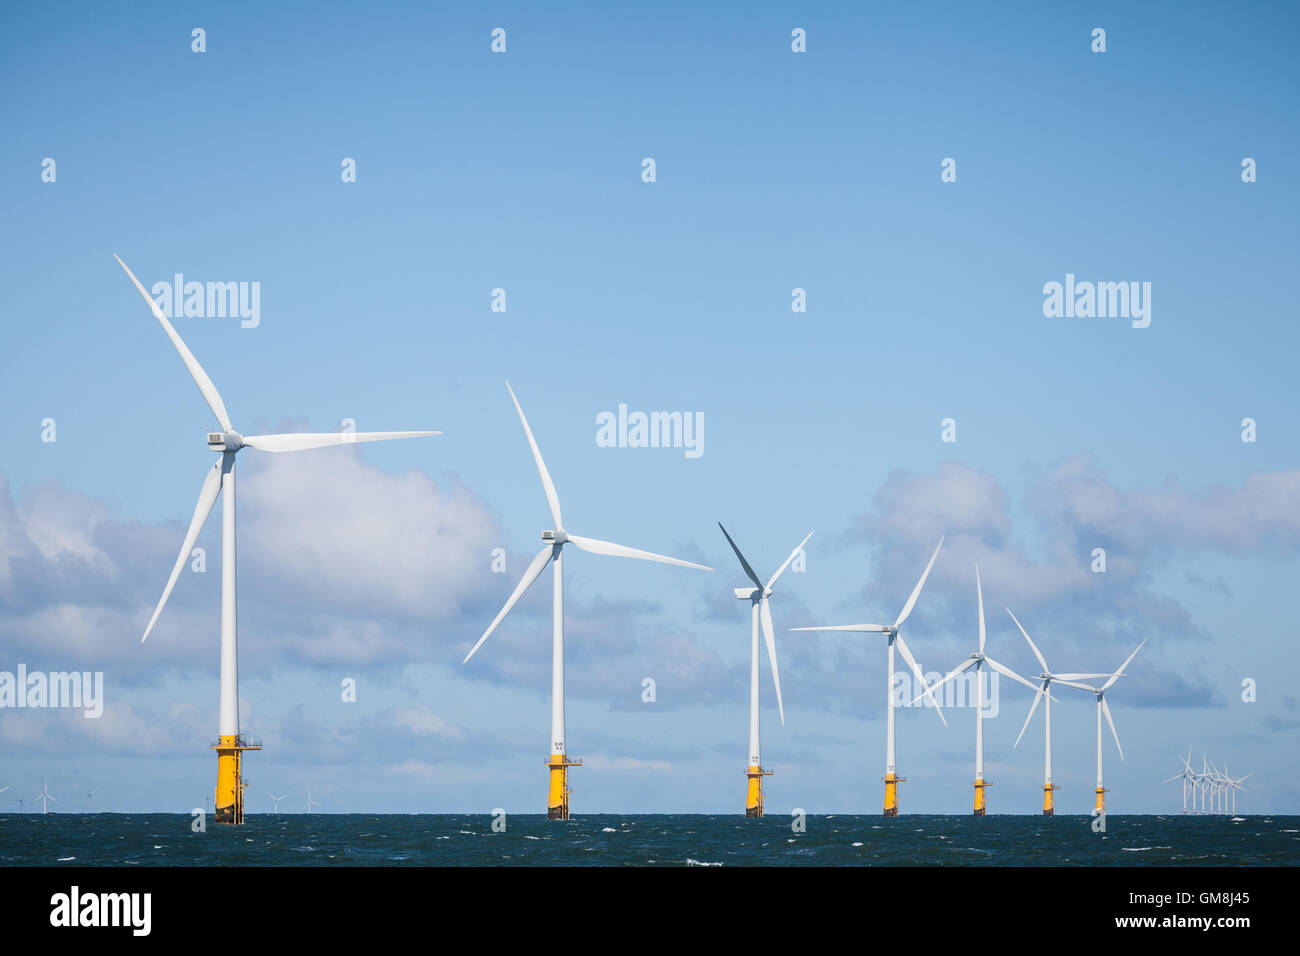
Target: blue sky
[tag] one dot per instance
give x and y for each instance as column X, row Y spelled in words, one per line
column 775, row 170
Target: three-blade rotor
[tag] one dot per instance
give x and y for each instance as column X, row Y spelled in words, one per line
column 557, row 538
column 759, row 595
column 229, row 442
column 895, row 635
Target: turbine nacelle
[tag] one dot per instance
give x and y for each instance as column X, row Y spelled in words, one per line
column 560, row 537
column 225, row 441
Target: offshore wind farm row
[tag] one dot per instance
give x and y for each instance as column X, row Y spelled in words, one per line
column 232, row 743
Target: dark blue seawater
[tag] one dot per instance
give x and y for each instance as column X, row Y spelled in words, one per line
column 111, row 839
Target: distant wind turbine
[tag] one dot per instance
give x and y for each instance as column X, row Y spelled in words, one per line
column 221, row 479
column 892, row 780
column 557, row 803
column 759, row 611
column 277, row 800
column 45, row 795
column 89, row 801
column 309, row 804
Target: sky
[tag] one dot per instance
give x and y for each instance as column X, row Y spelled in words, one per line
column 774, row 170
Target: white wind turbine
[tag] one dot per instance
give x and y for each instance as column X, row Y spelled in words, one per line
column 1047, row 677
column 552, row 551
column 309, row 804
column 45, row 795
column 978, row 660
column 221, row 479
column 1104, row 709
column 895, row 639
column 1235, row 784
column 90, row 799
column 277, row 800
column 760, row 611
column 1188, row 778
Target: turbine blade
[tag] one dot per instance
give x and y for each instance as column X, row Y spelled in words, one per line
column 1105, row 709
column 781, row 570
column 1033, row 707
column 552, row 499
column 859, row 628
column 1066, row 678
column 1032, row 646
column 206, row 388
column 916, row 591
column 596, row 546
column 1060, row 679
column 1116, row 676
column 743, row 563
column 765, row 615
column 979, row 591
column 530, row 575
column 939, row 683
column 207, row 498
column 301, row 441
column 1008, row 672
column 916, row 670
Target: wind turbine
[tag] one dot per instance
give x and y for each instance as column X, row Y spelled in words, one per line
column 1235, row 784
column 757, row 596
column 1104, row 708
column 89, row 801
column 1046, row 677
column 978, row 660
column 277, row 800
column 557, row 805
column 1188, row 777
column 229, row 794
column 45, row 795
column 895, row 639
column 309, row 804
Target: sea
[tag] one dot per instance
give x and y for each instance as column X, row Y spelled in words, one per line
column 654, row 840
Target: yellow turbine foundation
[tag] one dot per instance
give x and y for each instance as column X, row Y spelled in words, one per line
column 979, row 796
column 228, row 800
column 754, row 792
column 1101, row 800
column 557, row 798
column 1049, row 802
column 891, row 793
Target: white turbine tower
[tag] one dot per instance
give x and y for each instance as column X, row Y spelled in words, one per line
column 277, row 800
column 557, row 807
column 895, row 639
column 45, row 795
column 760, row 612
column 221, row 479
column 978, row 660
column 1103, row 709
column 309, row 804
column 1046, row 677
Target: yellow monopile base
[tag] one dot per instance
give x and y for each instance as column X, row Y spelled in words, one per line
column 891, row 794
column 754, row 792
column 228, row 800
column 1049, row 802
column 1101, row 800
column 979, row 797
column 557, row 797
